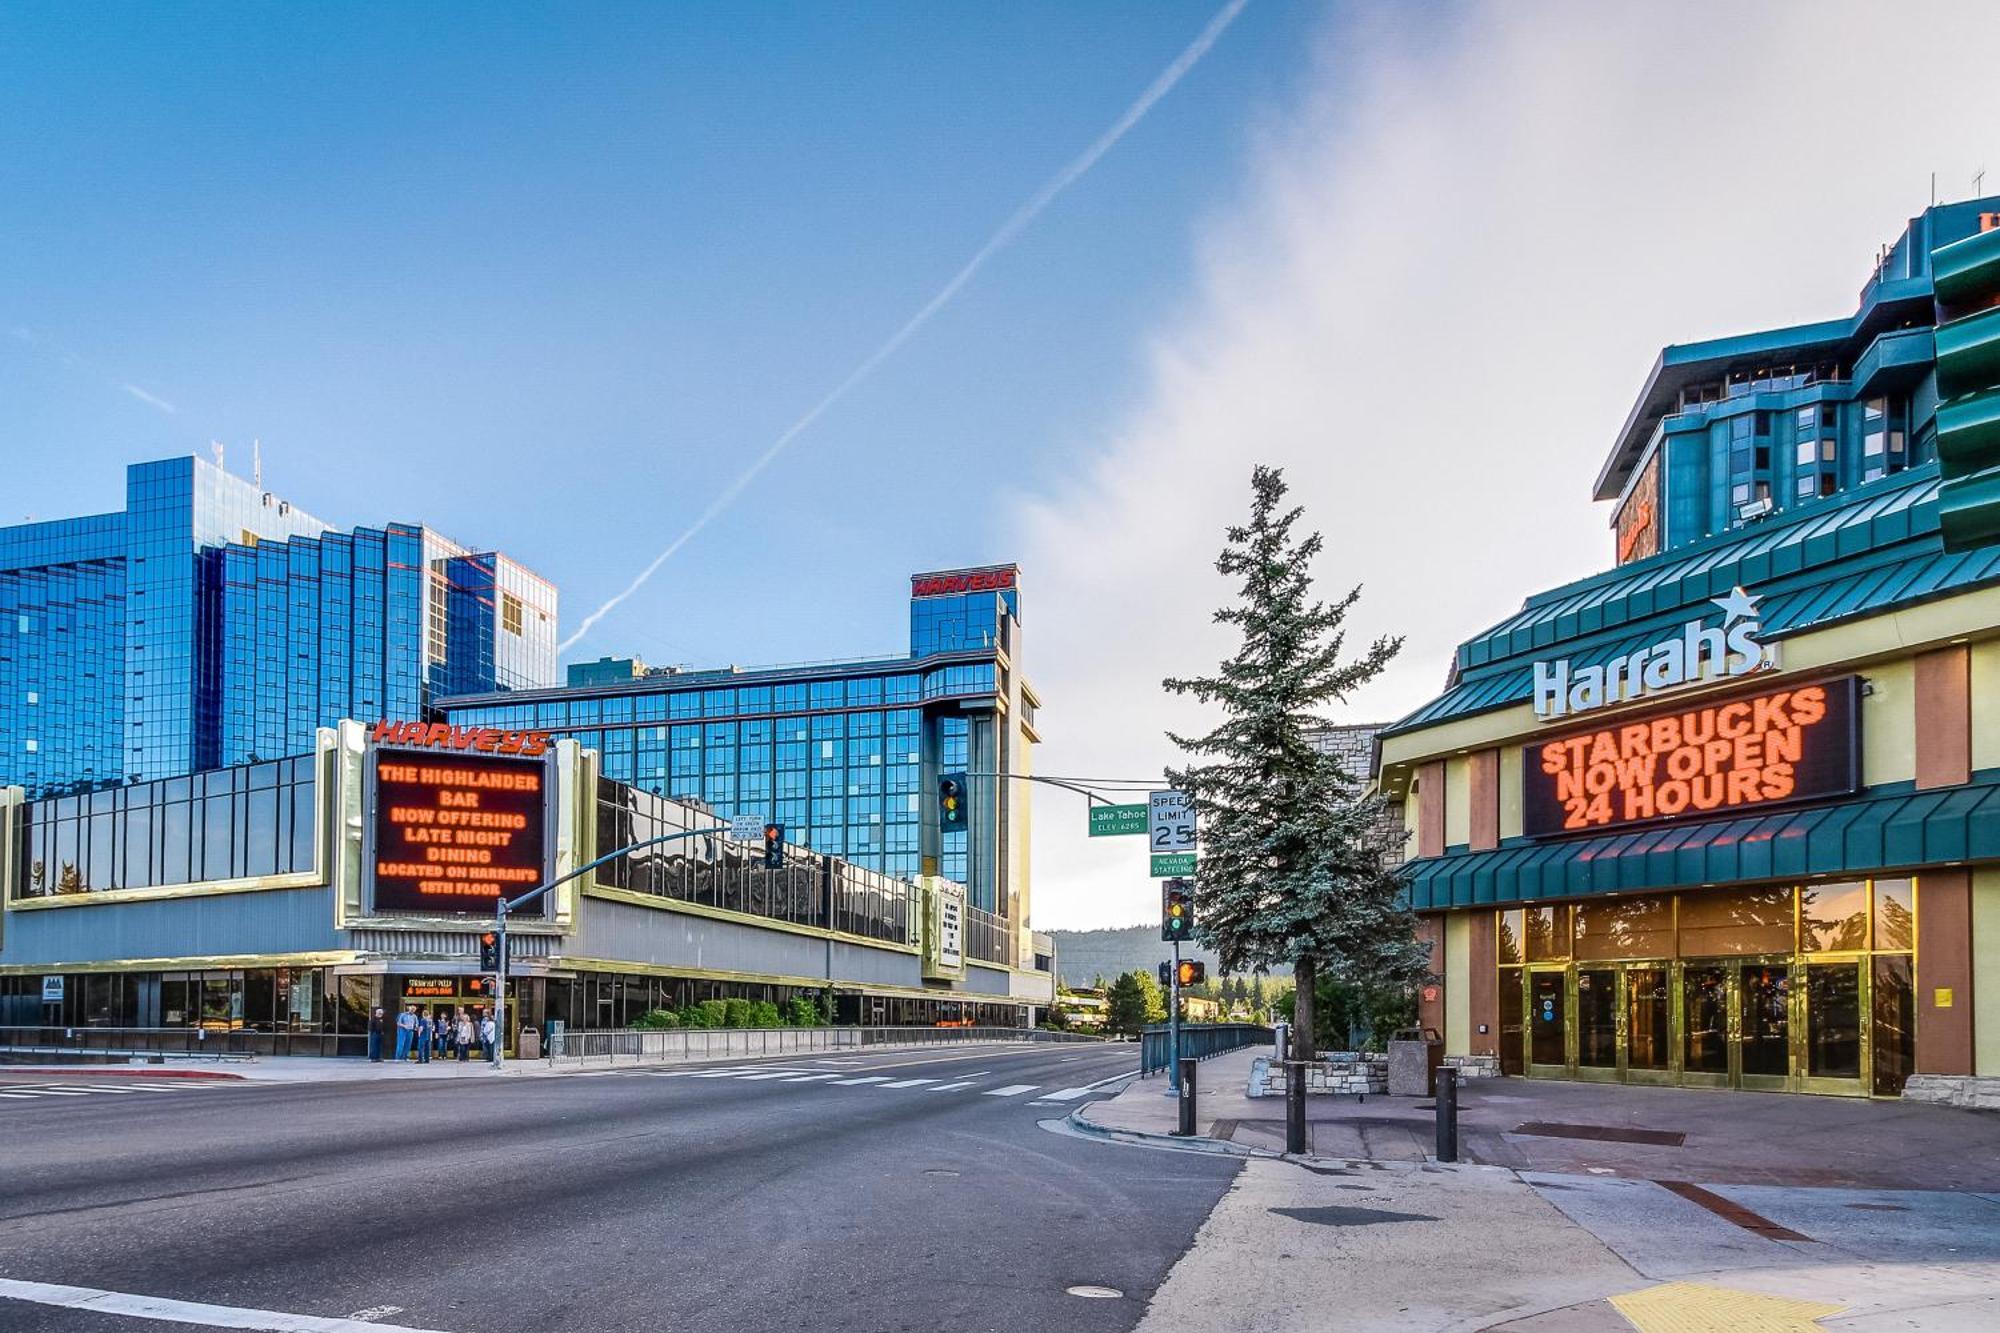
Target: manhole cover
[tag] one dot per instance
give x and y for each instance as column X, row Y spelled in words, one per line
column 1664, row 1138
column 1091, row 1293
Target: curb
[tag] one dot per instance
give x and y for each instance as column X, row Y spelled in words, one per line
column 118, row 1071
column 1174, row 1142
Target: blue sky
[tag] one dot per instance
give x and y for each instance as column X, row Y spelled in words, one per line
column 545, row 277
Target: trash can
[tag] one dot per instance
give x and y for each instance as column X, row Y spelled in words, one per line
column 528, row 1044
column 1414, row 1057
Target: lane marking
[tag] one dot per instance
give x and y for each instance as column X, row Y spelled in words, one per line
column 850, row 1082
column 807, row 1078
column 948, row 1087
column 1013, row 1090
column 51, row 1092
column 909, row 1082
column 759, row 1078
column 116, row 1092
column 187, row 1312
column 1068, row 1095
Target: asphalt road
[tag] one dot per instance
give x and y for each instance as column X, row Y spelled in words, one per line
column 627, row 1201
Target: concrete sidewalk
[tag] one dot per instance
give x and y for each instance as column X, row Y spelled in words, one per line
column 1640, row 1133
column 1542, row 1232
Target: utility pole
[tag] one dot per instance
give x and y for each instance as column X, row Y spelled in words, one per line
column 1174, row 1023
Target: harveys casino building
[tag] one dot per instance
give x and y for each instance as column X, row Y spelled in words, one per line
column 1727, row 815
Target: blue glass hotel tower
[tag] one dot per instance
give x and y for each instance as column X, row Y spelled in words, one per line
column 211, row 623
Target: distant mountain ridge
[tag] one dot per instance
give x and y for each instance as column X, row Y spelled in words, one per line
column 1084, row 955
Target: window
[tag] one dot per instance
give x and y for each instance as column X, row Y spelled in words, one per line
column 510, row 613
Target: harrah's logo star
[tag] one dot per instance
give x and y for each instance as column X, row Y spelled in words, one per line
column 1738, row 605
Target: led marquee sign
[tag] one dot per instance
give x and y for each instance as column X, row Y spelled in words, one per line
column 454, row 832
column 1796, row 744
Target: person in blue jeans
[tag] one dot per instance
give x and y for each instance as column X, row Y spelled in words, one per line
column 426, row 1031
column 406, row 1032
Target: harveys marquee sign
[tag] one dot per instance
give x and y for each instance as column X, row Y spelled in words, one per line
column 954, row 581
column 1694, row 656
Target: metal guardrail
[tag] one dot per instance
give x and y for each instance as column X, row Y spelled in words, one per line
column 660, row 1044
column 1199, row 1041
column 178, row 1043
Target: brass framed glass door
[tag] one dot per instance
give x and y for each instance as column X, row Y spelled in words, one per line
column 1764, row 1027
column 1833, row 1008
column 1548, row 1022
column 1649, row 1024
column 1597, row 1010
column 1705, row 1027
column 1737, row 1023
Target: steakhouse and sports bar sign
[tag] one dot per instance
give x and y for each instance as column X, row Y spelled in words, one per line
column 453, row 832
column 1796, row 744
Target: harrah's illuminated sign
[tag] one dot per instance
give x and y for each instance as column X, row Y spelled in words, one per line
column 444, row 736
column 972, row 580
column 1691, row 657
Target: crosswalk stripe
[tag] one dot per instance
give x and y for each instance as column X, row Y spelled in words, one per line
column 125, row 1091
column 18, row 1096
column 1013, row 1090
column 807, row 1078
column 1068, row 1094
column 850, row 1082
column 948, row 1087
column 52, row 1092
column 909, row 1082
column 759, row 1078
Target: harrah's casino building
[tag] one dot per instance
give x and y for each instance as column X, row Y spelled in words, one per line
column 1728, row 814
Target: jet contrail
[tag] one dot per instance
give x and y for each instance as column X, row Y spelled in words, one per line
column 1011, row 228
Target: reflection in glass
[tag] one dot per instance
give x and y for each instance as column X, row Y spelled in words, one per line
column 1548, row 933
column 1510, row 1021
column 1834, row 917
column 1766, row 1021
column 1895, row 914
column 1597, row 1019
column 1735, row 921
column 1508, row 941
column 1547, row 1018
column 1625, row 928
column 1833, row 1020
column 1894, row 1003
column 1705, row 1020
column 1648, row 1011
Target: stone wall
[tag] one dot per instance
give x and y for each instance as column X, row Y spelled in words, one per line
column 1338, row 1073
column 1474, row 1066
column 1962, row 1090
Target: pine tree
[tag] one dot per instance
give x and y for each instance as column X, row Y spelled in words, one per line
column 1297, row 866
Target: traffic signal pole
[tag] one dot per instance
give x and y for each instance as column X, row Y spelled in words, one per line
column 1174, row 1024
column 505, row 905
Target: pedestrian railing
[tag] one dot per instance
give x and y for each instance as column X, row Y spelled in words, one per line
column 1198, row 1041
column 665, row 1044
column 150, row 1043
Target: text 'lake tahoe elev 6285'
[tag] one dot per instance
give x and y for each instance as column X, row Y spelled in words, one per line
column 1784, row 745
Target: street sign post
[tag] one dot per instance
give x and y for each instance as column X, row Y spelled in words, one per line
column 746, row 828
column 1116, row 821
column 1170, row 832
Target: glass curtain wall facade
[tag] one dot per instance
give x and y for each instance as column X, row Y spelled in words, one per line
column 210, row 622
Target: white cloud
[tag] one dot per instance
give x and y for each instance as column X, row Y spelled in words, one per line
column 1448, row 272
column 149, row 400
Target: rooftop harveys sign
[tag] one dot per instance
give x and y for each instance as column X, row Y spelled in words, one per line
column 1694, row 656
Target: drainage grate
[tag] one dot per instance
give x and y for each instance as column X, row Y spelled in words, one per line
column 1731, row 1211
column 1662, row 1138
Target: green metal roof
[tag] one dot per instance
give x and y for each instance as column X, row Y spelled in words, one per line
column 1892, row 828
column 1813, row 572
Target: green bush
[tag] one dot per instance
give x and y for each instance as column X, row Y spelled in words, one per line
column 763, row 1014
column 735, row 1014
column 802, row 1012
column 707, row 1014
column 658, row 1018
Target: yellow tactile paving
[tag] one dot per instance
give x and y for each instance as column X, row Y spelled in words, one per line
column 1690, row 1307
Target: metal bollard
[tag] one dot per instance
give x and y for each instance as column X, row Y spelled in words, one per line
column 1295, row 1106
column 1187, row 1094
column 1447, row 1115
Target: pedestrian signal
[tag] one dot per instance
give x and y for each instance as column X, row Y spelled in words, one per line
column 774, row 846
column 1193, row 973
column 489, row 952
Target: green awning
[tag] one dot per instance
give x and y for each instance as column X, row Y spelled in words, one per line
column 1892, row 828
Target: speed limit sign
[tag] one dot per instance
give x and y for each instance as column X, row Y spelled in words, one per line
column 1170, row 822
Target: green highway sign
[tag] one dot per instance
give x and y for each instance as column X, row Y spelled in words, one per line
column 1112, row 821
column 1172, row 863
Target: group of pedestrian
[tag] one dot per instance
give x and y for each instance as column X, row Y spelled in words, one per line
column 421, row 1034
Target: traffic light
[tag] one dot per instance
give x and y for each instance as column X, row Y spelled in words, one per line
column 1166, row 975
column 1177, row 912
column 489, row 952
column 1192, row 973
column 951, row 801
column 774, row 846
